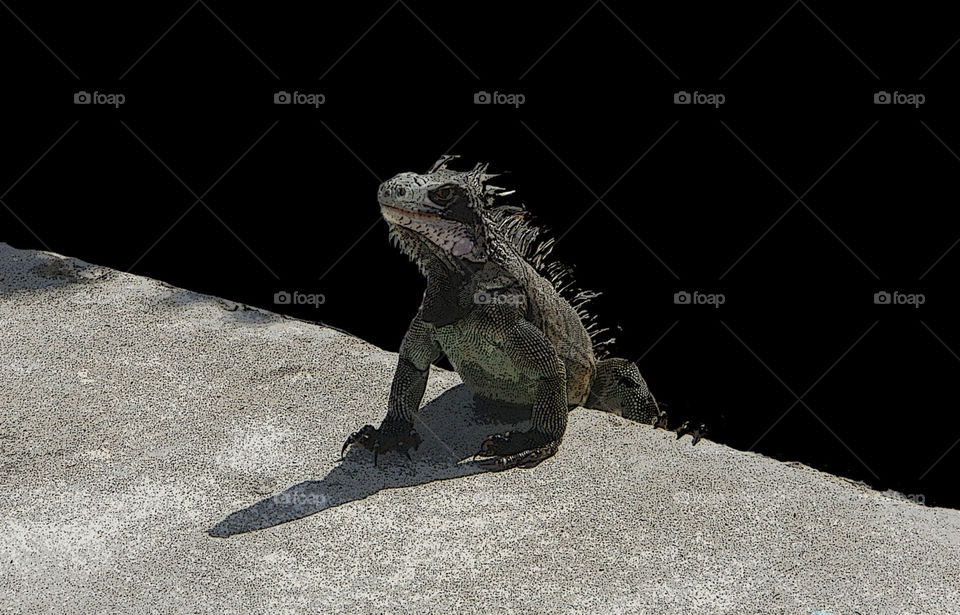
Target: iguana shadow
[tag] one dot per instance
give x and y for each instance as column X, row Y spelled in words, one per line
column 452, row 427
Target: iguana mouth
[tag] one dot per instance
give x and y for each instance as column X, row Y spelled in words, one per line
column 391, row 212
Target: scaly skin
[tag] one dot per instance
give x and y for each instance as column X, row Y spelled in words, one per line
column 493, row 308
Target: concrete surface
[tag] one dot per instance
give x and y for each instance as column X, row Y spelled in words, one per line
column 163, row 451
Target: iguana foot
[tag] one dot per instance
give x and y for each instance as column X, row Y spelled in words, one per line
column 697, row 432
column 391, row 436
column 517, row 449
column 661, row 420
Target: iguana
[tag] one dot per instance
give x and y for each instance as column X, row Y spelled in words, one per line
column 509, row 319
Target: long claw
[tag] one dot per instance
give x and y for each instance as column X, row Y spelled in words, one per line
column 698, row 433
column 524, row 460
column 516, row 450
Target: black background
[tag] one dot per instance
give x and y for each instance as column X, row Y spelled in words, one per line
column 797, row 199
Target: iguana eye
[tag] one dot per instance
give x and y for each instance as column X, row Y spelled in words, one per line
column 442, row 194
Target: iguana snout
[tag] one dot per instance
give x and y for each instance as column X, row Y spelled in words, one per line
column 402, row 191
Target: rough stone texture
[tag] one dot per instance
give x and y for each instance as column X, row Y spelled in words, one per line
column 166, row 451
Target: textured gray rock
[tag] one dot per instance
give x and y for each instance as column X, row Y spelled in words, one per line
column 166, row 451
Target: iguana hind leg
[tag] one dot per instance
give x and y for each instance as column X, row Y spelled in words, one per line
column 619, row 388
column 532, row 355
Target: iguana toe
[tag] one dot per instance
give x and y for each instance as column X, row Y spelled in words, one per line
column 389, row 437
column 660, row 422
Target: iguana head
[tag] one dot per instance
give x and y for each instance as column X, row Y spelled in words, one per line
column 439, row 214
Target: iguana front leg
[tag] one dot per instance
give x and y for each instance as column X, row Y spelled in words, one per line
column 534, row 357
column 417, row 351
